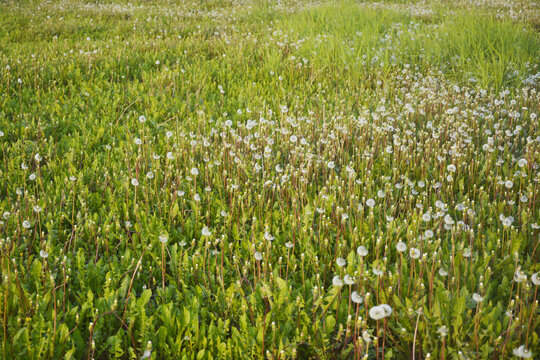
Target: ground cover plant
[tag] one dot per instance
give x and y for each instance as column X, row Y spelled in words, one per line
column 269, row 179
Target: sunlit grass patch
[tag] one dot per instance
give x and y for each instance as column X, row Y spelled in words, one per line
column 493, row 53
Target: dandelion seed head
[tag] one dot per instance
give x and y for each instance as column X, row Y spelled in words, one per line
column 414, row 253
column 377, row 313
column 362, row 251
column 477, row 297
column 336, row 281
column 401, row 246
column 356, row 298
column 522, row 352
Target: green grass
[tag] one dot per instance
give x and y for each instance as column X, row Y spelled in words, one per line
column 423, row 107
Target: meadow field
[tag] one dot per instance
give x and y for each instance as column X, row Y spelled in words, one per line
column 250, row 179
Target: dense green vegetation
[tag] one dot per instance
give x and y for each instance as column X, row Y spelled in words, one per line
column 257, row 179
